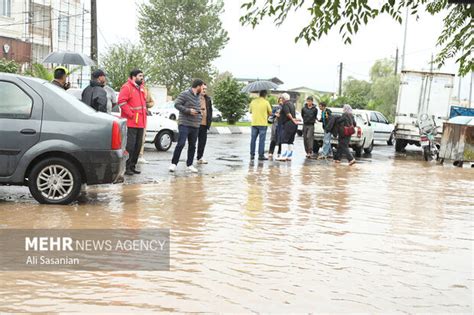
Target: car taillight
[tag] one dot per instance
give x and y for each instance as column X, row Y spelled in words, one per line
column 424, row 138
column 359, row 132
column 116, row 136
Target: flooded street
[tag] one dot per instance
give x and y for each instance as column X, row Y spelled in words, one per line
column 390, row 234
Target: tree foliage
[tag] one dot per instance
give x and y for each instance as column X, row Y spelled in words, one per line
column 357, row 92
column 8, row 66
column 229, row 99
column 348, row 16
column 122, row 58
column 182, row 37
column 40, row 71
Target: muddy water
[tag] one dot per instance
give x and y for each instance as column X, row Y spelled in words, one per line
column 381, row 236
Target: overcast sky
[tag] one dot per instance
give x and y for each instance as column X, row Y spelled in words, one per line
column 269, row 51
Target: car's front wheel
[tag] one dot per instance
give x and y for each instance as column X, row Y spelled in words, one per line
column 55, row 181
column 163, row 141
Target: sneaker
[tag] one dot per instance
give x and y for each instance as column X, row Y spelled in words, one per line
column 262, row 158
column 352, row 162
column 289, row 155
column 173, row 168
column 192, row 169
column 322, row 157
column 129, row 173
column 201, row 161
column 252, row 158
column 270, row 156
column 142, row 161
column 135, row 171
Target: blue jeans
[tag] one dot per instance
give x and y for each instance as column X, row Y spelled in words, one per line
column 261, row 132
column 190, row 134
column 327, row 150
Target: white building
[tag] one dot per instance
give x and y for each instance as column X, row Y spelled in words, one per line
column 31, row 29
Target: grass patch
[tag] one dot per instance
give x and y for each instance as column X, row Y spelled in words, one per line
column 225, row 124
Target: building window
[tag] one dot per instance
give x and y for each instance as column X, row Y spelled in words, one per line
column 63, row 27
column 5, row 7
column 41, row 20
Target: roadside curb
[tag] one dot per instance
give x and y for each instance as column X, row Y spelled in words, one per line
column 231, row 130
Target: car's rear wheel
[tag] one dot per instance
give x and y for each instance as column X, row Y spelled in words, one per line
column 55, row 181
column 163, row 141
column 370, row 148
column 400, row 145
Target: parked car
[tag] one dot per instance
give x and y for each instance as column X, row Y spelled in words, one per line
column 166, row 110
column 53, row 143
column 362, row 140
column 160, row 131
column 383, row 129
column 298, row 117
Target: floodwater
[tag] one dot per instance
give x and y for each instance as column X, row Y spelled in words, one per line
column 393, row 235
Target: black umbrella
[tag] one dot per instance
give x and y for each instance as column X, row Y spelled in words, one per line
column 69, row 58
column 259, row 86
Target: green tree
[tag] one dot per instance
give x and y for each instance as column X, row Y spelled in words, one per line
column 122, row 58
column 229, row 99
column 215, row 81
column 348, row 16
column 384, row 89
column 384, row 93
column 8, row 66
column 382, row 68
column 356, row 92
column 182, row 37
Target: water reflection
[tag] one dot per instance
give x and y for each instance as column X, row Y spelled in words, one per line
column 273, row 237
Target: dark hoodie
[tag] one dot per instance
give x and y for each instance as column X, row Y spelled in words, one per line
column 95, row 96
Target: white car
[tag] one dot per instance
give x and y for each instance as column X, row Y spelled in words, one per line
column 362, row 140
column 160, row 131
column 383, row 130
column 166, row 110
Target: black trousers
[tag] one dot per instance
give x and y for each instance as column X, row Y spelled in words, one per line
column 273, row 144
column 343, row 149
column 202, row 140
column 134, row 144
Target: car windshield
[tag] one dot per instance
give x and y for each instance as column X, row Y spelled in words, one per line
column 68, row 97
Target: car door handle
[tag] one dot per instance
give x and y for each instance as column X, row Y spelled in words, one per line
column 28, row 131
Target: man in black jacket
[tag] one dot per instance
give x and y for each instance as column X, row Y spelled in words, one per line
column 95, row 95
column 206, row 110
column 309, row 114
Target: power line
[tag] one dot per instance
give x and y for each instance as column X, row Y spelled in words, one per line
column 41, row 21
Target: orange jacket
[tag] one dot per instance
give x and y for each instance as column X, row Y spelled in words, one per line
column 132, row 102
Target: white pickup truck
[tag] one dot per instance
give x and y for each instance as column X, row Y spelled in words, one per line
column 362, row 140
column 421, row 93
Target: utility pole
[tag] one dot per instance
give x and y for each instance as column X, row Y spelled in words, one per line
column 94, row 30
column 459, row 90
column 340, row 79
column 405, row 40
column 396, row 62
column 431, row 64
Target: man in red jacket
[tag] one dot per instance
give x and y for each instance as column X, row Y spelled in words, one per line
column 132, row 102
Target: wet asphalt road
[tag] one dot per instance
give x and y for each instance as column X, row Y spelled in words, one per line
column 224, row 154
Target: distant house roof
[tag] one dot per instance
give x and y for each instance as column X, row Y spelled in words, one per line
column 250, row 80
column 305, row 88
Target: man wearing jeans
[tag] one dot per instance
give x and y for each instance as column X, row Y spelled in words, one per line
column 190, row 117
column 325, row 116
column 260, row 109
